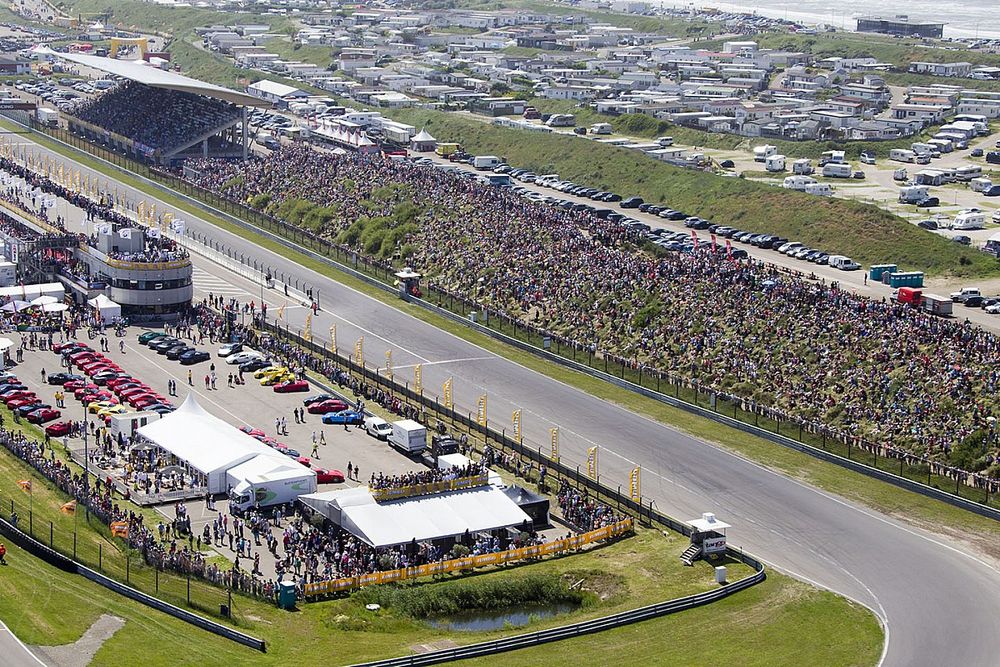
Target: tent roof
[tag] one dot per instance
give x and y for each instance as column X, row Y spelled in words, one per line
column 422, row 517
column 708, row 522
column 147, row 75
column 101, row 301
column 423, row 135
column 203, row 440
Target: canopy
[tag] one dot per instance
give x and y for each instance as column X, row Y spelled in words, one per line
column 206, row 443
column 14, row 306
column 419, row 518
column 44, row 301
column 423, row 136
column 55, row 307
column 6, row 343
column 107, row 308
column 28, row 292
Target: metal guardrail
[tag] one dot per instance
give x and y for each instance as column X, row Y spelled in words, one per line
column 67, row 564
column 576, row 629
column 830, row 457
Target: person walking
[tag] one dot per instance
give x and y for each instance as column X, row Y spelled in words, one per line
column 43, row 375
column 315, row 451
column 189, row 378
column 3, row 553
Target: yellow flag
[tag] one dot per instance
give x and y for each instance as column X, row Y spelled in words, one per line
column 449, row 399
column 481, row 411
column 515, row 418
column 554, row 435
column 281, row 311
column 592, row 462
column 307, row 333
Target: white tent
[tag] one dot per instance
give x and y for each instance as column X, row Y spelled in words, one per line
column 108, row 309
column 208, row 444
column 29, row 292
column 422, row 518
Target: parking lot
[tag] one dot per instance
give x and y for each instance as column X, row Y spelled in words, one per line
column 250, row 404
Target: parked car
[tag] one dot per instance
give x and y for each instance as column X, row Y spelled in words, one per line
column 976, row 152
column 63, row 378
column 328, row 476
column 58, row 429
column 291, row 386
column 962, row 238
column 344, row 417
column 242, row 357
column 175, row 353
column 928, row 202
column 43, row 415
column 194, row 357
column 230, row 349
column 928, row 224
column 323, row 407
column 255, row 365
column 149, row 336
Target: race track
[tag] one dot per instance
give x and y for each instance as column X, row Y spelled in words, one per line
column 940, row 603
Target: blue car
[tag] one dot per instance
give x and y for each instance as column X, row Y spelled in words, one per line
column 344, row 417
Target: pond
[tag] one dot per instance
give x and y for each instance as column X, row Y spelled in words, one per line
column 479, row 620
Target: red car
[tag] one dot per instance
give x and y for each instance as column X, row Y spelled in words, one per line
column 251, row 431
column 43, row 415
column 304, row 460
column 83, row 356
column 84, row 390
column 325, row 476
column 114, row 382
column 73, row 385
column 58, row 429
column 59, row 348
column 134, row 391
column 289, row 387
column 332, row 405
column 15, row 403
column 140, row 400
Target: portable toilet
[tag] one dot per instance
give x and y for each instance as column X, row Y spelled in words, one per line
column 286, row 595
column 906, row 279
column 876, row 271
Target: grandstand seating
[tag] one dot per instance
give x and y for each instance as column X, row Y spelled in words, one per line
column 157, row 118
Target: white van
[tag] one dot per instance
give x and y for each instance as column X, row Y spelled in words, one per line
column 665, row 142
column 377, row 427
column 483, row 162
column 843, row 263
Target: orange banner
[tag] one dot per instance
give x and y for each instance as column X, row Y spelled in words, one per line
column 431, row 487
column 498, row 558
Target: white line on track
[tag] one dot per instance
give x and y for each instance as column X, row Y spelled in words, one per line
column 27, row 651
column 446, row 361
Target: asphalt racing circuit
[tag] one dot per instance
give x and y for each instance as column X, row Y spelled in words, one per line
column 938, row 600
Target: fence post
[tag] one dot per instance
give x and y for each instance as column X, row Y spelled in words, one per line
column 128, row 566
column 100, row 557
column 189, row 588
column 51, row 541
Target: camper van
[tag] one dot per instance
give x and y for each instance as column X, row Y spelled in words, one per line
column 913, row 193
column 969, row 220
column 843, row 263
column 761, row 153
column 832, row 157
column 902, row 155
column 802, row 166
column 561, row 120
column 797, row 182
column 968, row 172
column 837, row 170
column 775, row 163
column 980, row 184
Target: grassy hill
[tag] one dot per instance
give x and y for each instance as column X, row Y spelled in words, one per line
column 865, row 232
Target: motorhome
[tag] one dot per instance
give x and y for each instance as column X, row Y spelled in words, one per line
column 980, row 184
column 968, row 172
column 775, row 163
column 913, row 193
column 803, row 166
column 761, row 153
column 902, row 155
column 922, row 149
column 943, row 145
column 843, row 263
column 832, row 157
column 797, row 182
column 561, row 120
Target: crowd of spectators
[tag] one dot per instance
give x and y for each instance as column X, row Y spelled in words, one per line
column 583, row 511
column 429, row 476
column 864, row 368
column 157, row 118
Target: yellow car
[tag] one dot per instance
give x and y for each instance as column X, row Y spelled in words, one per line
column 113, row 410
column 270, row 370
column 95, row 407
column 277, row 379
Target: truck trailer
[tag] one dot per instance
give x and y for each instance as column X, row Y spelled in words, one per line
column 276, row 487
column 408, row 436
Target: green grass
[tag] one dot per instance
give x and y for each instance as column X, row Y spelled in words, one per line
column 935, row 515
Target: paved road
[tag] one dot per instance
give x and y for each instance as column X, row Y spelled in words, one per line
column 15, row 654
column 940, row 602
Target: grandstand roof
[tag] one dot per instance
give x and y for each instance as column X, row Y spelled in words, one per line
column 147, row 75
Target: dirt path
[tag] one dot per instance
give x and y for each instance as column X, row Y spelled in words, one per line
column 83, row 650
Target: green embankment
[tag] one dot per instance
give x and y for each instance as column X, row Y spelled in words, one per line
column 865, row 232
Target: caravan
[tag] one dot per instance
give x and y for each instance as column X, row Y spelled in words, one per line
column 913, row 193
column 969, row 219
column 799, row 183
column 819, row 189
column 837, row 170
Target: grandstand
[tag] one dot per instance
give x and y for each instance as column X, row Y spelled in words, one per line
column 160, row 116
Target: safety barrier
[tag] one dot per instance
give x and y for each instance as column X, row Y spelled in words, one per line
column 482, row 560
column 395, row 493
column 67, row 564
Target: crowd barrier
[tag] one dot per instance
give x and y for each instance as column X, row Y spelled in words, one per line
column 395, row 493
column 470, row 562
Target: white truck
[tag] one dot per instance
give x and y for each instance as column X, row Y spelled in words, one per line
column 408, row 436
column 484, row 162
column 377, row 427
column 276, row 487
column 47, row 117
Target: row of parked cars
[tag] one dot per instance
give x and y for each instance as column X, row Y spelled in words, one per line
column 173, row 348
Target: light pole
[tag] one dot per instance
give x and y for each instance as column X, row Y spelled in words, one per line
column 86, row 462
